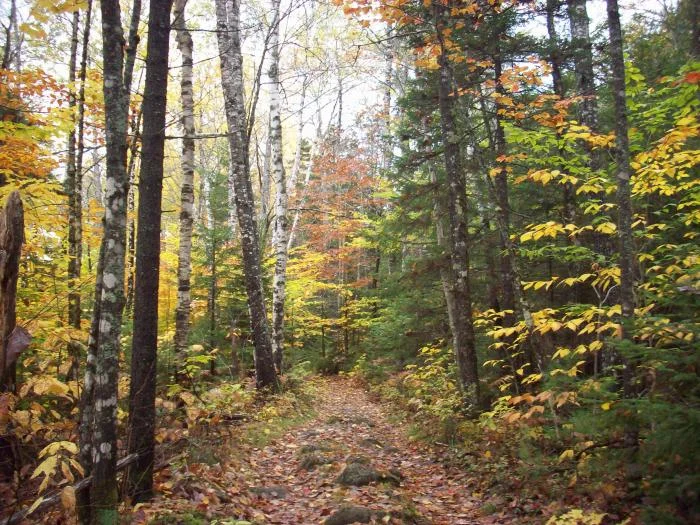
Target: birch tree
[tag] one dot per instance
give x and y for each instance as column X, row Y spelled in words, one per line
column 73, row 189
column 184, row 263
column 279, row 236
column 229, row 44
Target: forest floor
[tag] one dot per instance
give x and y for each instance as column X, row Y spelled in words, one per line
column 351, row 461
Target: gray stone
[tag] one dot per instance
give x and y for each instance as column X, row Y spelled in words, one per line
column 350, row 514
column 312, row 460
column 357, row 458
column 321, row 446
column 357, row 474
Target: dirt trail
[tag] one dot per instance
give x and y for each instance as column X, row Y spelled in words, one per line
column 349, row 428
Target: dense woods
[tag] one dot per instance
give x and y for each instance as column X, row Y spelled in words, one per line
column 239, row 241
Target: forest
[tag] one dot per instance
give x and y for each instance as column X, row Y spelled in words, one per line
column 350, row 261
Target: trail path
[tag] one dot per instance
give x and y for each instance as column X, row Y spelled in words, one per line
column 354, row 435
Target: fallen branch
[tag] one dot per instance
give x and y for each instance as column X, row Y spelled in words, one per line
column 56, row 496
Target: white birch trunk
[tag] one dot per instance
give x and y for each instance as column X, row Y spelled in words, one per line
column 307, row 177
column 296, row 167
column 279, row 236
column 264, row 211
column 184, row 263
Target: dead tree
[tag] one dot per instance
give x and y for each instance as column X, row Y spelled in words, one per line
column 11, row 239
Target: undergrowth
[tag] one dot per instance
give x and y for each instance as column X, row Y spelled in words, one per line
column 523, row 464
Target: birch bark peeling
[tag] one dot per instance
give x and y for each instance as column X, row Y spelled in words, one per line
column 184, row 263
column 229, row 44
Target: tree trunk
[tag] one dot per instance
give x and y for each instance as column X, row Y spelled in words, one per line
column 583, row 62
column 459, row 293
column 503, row 207
column 386, row 109
column 265, row 179
column 11, row 240
column 624, row 200
column 307, row 177
column 74, row 192
column 184, row 263
column 13, row 41
column 103, row 492
column 279, row 238
column 142, row 393
column 131, row 207
column 296, row 167
column 87, row 409
column 213, row 291
column 228, row 38
column 555, row 60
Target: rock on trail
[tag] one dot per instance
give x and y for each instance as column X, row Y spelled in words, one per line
column 350, row 464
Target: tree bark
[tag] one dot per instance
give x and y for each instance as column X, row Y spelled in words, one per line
column 583, row 62
column 228, row 38
column 184, row 262
column 265, row 179
column 117, row 108
column 12, row 49
column 74, row 191
column 386, row 109
column 503, row 207
column 280, row 233
column 457, row 292
column 131, row 207
column 11, row 240
column 307, row 178
column 555, row 59
column 142, row 392
column 296, row 167
column 103, row 493
column 626, row 247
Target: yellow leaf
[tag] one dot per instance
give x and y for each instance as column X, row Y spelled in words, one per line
column 561, row 352
column 67, row 473
column 567, row 454
column 38, row 502
column 47, row 468
column 51, row 386
column 606, row 227
column 52, row 448
column 33, row 30
column 605, row 406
